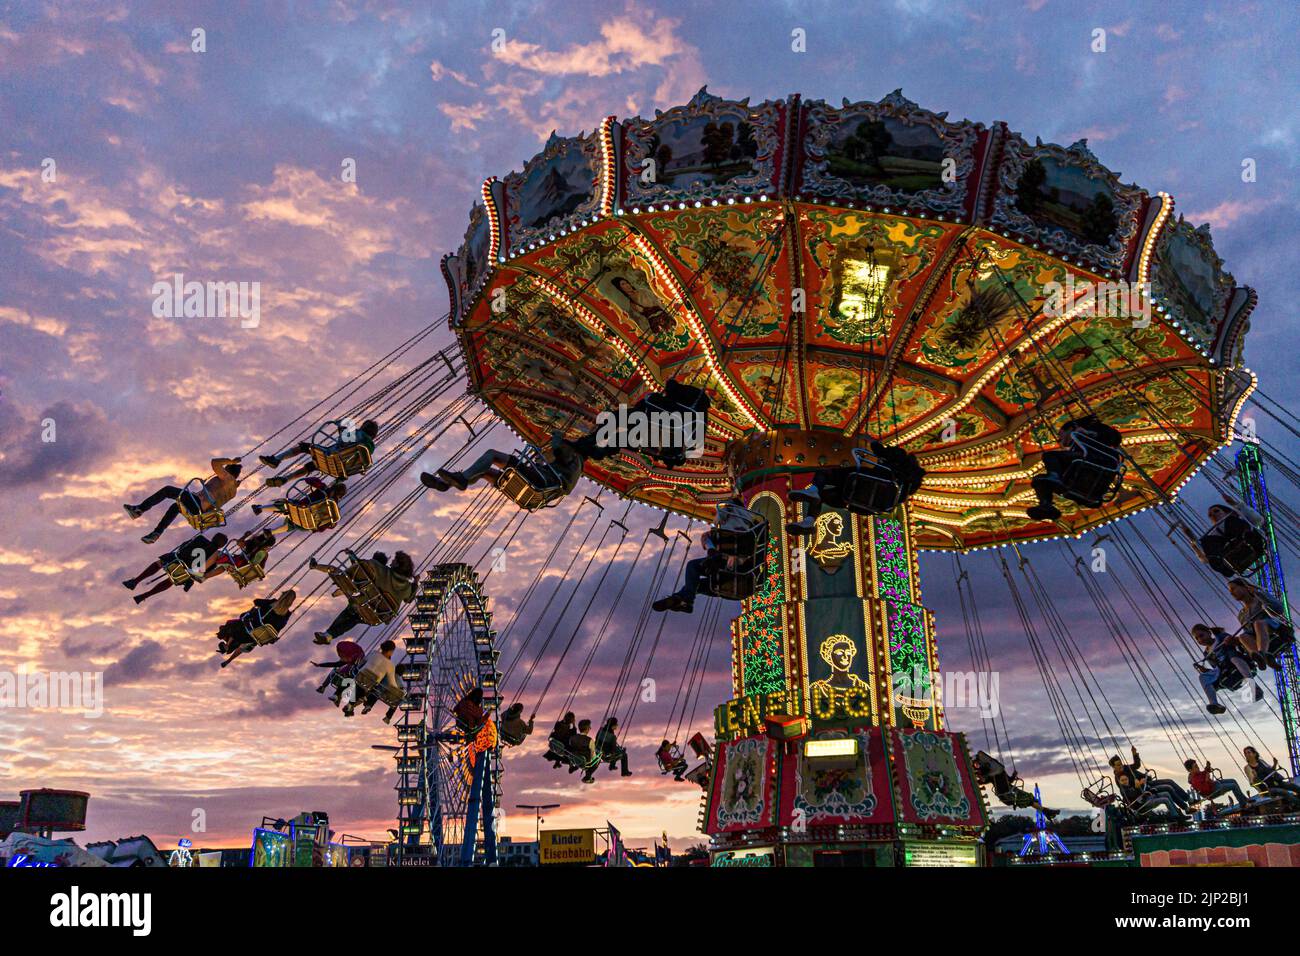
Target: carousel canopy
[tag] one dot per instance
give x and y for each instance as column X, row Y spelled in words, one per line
column 872, row 269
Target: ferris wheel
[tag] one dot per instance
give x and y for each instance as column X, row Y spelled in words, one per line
column 449, row 775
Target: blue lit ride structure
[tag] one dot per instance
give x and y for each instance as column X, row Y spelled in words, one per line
column 449, row 779
column 1268, row 575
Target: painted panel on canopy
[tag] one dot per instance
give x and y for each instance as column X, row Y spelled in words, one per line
column 1163, row 402
column 709, row 147
column 1076, row 356
column 836, row 275
column 598, row 269
column 902, row 403
column 718, row 252
column 970, row 423
column 768, row 381
column 973, row 312
column 1187, row 276
column 1065, row 199
column 534, row 316
column 556, row 187
column 888, row 153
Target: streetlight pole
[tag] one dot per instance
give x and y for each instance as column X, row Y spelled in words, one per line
column 538, row 809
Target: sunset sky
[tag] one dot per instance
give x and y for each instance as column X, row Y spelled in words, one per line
column 225, row 165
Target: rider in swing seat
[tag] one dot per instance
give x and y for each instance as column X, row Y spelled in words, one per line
column 234, row 634
column 558, row 741
column 608, row 747
column 395, row 581
column 831, row 485
column 214, row 493
column 994, row 773
column 564, row 459
column 1146, row 793
column 1203, row 783
column 1223, row 655
column 1235, row 533
column 512, row 727
column 583, row 749
column 379, row 668
column 199, row 553
column 695, row 578
column 1056, row 463
column 254, row 548
column 319, row 493
column 1268, row 778
column 671, row 761
column 676, row 397
column 363, row 436
column 469, row 712
column 1263, row 621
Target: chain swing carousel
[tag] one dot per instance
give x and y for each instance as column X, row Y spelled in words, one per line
column 899, row 333
column 830, row 276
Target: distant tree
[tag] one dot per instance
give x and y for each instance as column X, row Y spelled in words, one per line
column 868, row 143
column 1028, row 190
column 1099, row 221
column 718, row 138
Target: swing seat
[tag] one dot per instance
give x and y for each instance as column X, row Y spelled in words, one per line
column 333, row 456
column 561, row 750
column 356, row 582
column 871, row 488
column 260, row 632
column 208, row 515
column 672, row 762
column 1099, row 793
column 178, row 570
column 1243, row 554
column 240, row 568
column 310, row 509
column 672, row 412
column 737, row 580
column 390, row 695
column 739, row 532
column 1095, row 476
column 530, row 481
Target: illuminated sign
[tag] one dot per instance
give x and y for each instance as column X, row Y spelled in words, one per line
column 23, row 860
column 941, row 854
column 757, row 856
column 745, row 715
column 842, row 747
column 568, row 846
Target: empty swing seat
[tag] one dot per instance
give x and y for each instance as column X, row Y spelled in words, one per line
column 310, row 509
column 356, row 582
column 872, row 488
column 1094, row 477
column 334, row 456
column 198, row 508
column 530, row 481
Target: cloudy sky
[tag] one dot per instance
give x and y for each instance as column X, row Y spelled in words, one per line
column 225, row 164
